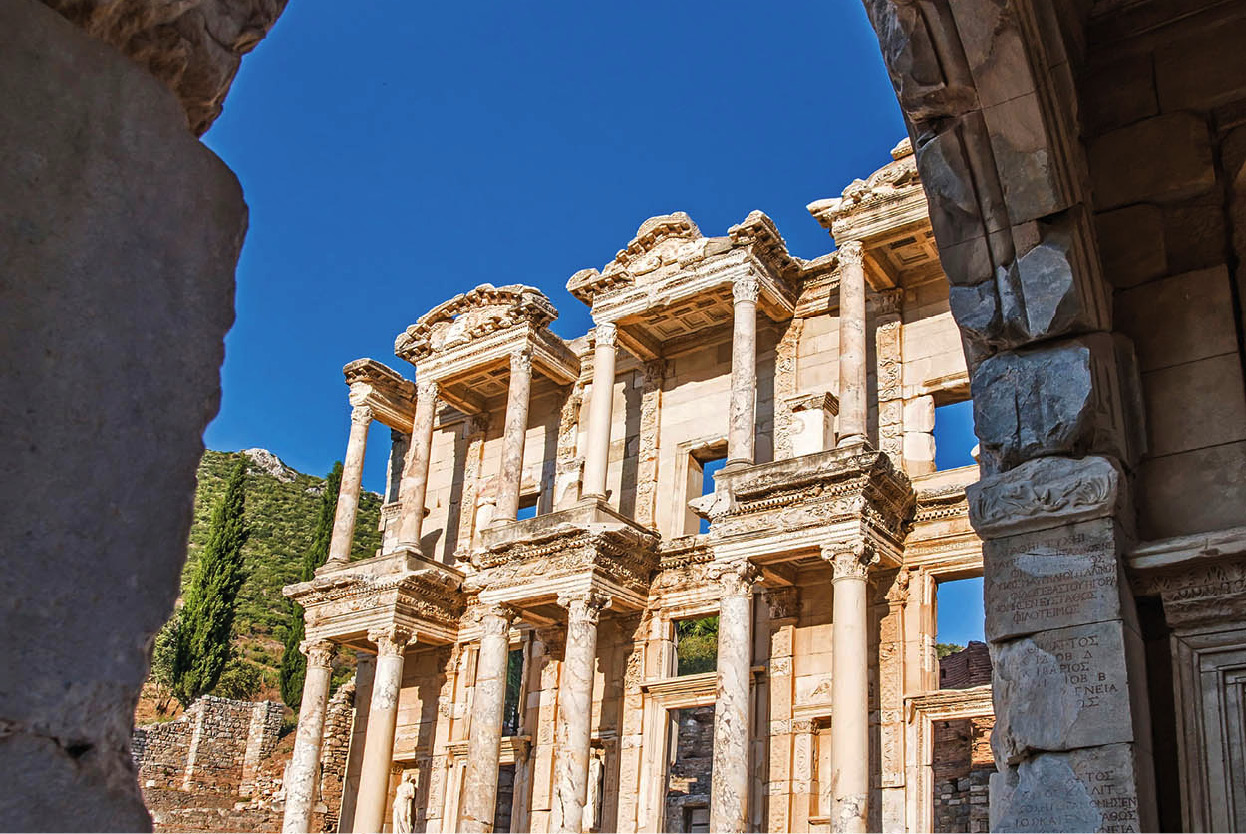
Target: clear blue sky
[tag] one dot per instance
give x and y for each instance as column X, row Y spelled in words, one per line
column 396, row 153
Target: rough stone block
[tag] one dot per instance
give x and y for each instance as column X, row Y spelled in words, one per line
column 1179, row 319
column 1023, row 157
column 1195, row 234
column 1203, row 71
column 1047, row 401
column 1160, row 159
column 1052, row 579
column 120, row 235
column 1117, row 93
column 994, row 49
column 1095, row 789
column 1216, row 475
column 1131, row 244
column 1065, row 688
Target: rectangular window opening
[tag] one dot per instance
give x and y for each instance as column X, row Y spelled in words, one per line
column 703, row 465
column 954, row 440
column 696, row 645
column 527, row 506
column 960, row 634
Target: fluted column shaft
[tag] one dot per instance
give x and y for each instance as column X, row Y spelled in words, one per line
column 352, row 479
column 414, row 487
column 575, row 706
column 378, row 747
column 600, row 409
column 516, row 428
column 485, row 740
column 730, row 781
column 300, row 781
column 742, row 426
column 852, row 369
column 850, row 706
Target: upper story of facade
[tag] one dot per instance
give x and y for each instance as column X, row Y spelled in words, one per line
column 696, row 382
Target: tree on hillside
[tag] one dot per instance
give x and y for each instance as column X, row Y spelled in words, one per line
column 206, row 622
column 293, row 663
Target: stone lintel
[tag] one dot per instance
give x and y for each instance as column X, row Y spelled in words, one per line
column 378, row 386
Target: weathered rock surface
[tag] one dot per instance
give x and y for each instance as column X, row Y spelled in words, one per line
column 120, row 235
column 193, row 46
column 1093, row 789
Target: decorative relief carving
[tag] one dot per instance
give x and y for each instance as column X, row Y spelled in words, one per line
column 783, row 603
column 584, row 606
column 898, row 593
column 1207, row 594
column 785, row 386
column 391, row 641
column 361, row 415
column 852, row 254
column 735, row 578
column 474, row 315
column 521, row 361
column 653, row 377
column 426, row 389
column 605, row 334
column 850, row 561
column 495, row 619
column 1044, row 492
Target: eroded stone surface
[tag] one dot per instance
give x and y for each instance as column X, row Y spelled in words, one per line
column 1083, row 790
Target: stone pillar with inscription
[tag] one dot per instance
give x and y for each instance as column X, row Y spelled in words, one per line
column 485, row 738
column 850, row 750
column 783, row 606
column 352, row 480
column 378, row 751
column 599, row 411
column 743, row 417
column 513, row 436
column 889, row 356
column 730, row 788
column 1072, row 731
column 575, row 705
column 853, row 409
column 300, row 780
column 414, row 487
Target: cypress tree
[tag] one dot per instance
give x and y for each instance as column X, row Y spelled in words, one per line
column 207, row 618
column 293, row 663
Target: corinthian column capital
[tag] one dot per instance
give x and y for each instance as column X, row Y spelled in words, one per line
column 736, row 578
column 584, row 606
column 747, row 288
column 391, row 641
column 318, row 652
column 852, row 253
column 606, row 334
column 426, row 388
column 521, row 360
column 361, row 415
column 849, row 561
column 495, row 618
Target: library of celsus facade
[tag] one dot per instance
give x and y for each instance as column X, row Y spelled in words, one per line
column 550, row 526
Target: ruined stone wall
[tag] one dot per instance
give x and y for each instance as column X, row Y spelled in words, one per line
column 962, row 767
column 215, row 746
column 688, row 780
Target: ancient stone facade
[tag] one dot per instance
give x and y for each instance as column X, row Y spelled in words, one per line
column 550, row 525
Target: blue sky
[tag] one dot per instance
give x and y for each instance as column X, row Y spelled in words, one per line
column 399, row 153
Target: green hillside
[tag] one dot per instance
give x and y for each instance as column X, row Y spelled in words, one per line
column 281, row 510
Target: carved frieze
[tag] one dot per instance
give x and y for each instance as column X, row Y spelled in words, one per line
column 1045, row 492
column 1212, row 593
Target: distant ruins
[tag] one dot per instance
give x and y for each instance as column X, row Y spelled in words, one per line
column 550, row 526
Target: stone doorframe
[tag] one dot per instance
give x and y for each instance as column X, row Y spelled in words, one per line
column 513, row 750
column 921, row 713
column 658, row 699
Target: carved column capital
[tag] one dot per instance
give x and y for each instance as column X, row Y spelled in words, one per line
column 427, row 388
column 735, row 578
column 606, row 334
column 584, row 606
column 521, row 360
column 391, row 641
column 747, row 288
column 850, row 561
column 852, row 253
column 318, row 652
column 495, row 618
column 361, row 415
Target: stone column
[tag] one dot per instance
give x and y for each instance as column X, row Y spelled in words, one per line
column 730, row 785
column 889, row 357
column 399, row 446
column 485, row 738
column 378, row 749
column 513, row 436
column 852, row 372
column 575, row 705
column 300, row 778
column 352, row 479
column 850, row 706
column 742, row 427
column 597, row 458
column 415, row 478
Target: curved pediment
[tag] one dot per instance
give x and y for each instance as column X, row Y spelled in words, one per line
column 471, row 315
